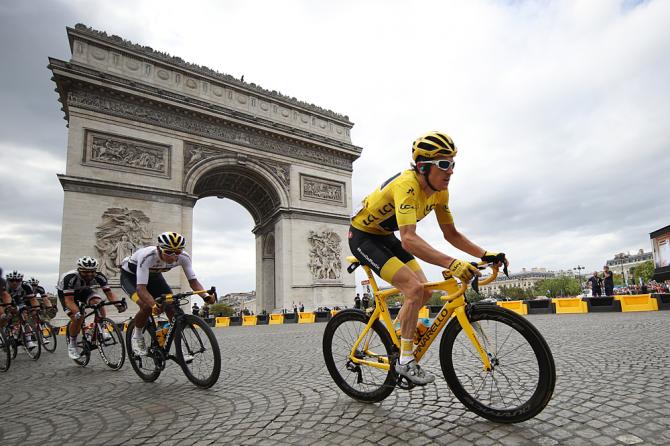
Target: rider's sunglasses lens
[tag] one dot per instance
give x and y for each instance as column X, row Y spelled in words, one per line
column 172, row 252
column 445, row 164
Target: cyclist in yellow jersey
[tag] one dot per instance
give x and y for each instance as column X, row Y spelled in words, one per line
column 397, row 205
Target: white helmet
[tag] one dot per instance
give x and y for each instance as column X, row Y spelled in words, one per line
column 87, row 263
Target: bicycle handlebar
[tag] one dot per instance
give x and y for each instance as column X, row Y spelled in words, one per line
column 170, row 298
column 101, row 304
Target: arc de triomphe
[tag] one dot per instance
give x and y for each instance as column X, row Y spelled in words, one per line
column 150, row 134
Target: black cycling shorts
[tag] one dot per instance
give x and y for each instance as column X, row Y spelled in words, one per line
column 384, row 254
column 156, row 286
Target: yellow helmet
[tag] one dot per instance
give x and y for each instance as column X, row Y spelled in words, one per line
column 433, row 144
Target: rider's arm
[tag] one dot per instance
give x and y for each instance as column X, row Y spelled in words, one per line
column 418, row 247
column 197, row 286
column 110, row 295
column 459, row 241
column 6, row 298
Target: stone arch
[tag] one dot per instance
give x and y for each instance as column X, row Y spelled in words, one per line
column 249, row 184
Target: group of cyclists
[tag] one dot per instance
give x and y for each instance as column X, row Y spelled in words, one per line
column 141, row 278
column 397, row 205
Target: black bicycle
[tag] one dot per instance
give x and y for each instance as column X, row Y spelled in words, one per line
column 23, row 330
column 5, row 355
column 102, row 334
column 196, row 348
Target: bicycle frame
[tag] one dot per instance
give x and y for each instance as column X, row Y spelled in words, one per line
column 455, row 304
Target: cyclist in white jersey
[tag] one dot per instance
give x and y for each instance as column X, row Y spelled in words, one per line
column 142, row 279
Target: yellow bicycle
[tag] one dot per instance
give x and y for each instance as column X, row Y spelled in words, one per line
column 495, row 362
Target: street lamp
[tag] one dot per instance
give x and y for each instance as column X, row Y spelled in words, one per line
column 579, row 269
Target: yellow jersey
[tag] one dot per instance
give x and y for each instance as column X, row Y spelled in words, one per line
column 400, row 201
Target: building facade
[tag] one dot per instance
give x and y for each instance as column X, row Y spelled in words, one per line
column 625, row 263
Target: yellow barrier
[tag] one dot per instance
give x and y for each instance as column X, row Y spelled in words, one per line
column 276, row 319
column 222, row 322
column 333, row 312
column 570, row 305
column 637, row 302
column 125, row 326
column 61, row 330
column 249, row 320
column 306, row 318
column 424, row 312
column 518, row 306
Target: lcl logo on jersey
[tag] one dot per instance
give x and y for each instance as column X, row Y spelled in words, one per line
column 406, row 208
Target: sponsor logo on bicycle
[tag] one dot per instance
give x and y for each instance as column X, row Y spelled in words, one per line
column 435, row 327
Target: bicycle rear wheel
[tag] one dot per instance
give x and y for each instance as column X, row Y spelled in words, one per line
column 523, row 377
column 34, row 335
column 146, row 367
column 361, row 382
column 198, row 351
column 111, row 347
column 85, row 353
column 5, row 355
column 49, row 339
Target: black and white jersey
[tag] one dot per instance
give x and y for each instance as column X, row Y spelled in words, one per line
column 22, row 294
column 146, row 261
column 71, row 283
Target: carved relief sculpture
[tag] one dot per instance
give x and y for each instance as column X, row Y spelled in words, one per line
column 121, row 232
column 322, row 190
column 126, row 154
column 324, row 255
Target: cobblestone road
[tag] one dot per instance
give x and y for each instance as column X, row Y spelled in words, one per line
column 613, row 388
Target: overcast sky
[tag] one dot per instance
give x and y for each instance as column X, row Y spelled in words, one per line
column 559, row 110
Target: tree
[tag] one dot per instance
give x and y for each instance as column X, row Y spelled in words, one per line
column 221, row 309
column 515, row 293
column 558, row 287
column 644, row 270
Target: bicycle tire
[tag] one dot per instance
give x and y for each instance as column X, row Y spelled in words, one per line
column 13, row 345
column 106, row 347
column 512, row 363
column 35, row 352
column 192, row 342
column 5, row 354
column 366, row 384
column 85, row 353
column 49, row 340
column 146, row 367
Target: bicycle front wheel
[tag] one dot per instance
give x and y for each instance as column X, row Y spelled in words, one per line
column 146, row 367
column 198, row 351
column 361, row 382
column 523, row 377
column 49, row 339
column 110, row 344
column 5, row 355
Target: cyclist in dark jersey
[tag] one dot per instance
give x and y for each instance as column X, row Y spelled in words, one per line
column 398, row 205
column 22, row 298
column 79, row 287
column 5, row 298
column 41, row 295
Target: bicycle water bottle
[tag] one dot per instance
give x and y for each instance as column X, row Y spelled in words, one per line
column 422, row 327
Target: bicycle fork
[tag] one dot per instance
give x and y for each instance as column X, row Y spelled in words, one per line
column 470, row 331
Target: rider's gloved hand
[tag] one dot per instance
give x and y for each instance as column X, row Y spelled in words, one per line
column 121, row 306
column 156, row 310
column 209, row 299
column 463, row 270
column 494, row 257
column 51, row 312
